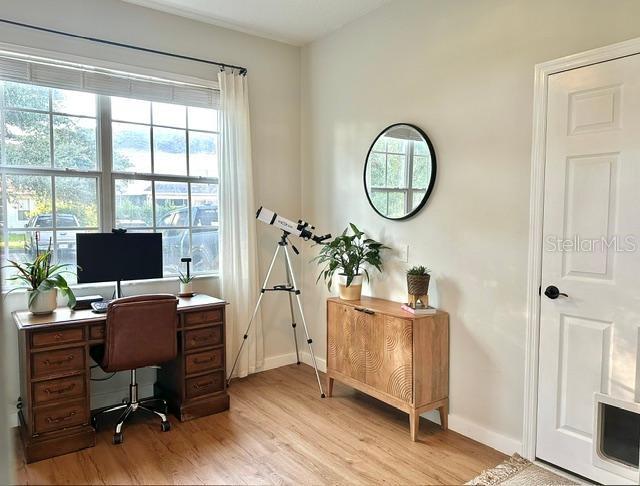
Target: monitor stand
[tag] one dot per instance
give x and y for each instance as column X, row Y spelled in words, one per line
column 118, row 290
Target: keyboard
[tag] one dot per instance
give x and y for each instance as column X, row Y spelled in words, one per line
column 100, row 307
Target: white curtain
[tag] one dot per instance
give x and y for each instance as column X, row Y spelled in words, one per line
column 239, row 273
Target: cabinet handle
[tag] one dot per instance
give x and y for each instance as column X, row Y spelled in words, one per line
column 202, row 361
column 365, row 310
column 55, row 420
column 60, row 390
column 58, row 361
column 197, row 386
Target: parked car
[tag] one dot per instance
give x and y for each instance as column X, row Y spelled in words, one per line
column 66, row 239
column 204, row 236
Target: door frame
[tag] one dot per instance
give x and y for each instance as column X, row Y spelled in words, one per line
column 536, row 219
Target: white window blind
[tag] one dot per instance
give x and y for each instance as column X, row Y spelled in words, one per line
column 78, row 77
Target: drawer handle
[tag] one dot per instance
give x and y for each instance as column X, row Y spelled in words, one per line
column 197, row 386
column 60, row 390
column 202, row 338
column 365, row 310
column 58, row 336
column 58, row 361
column 55, row 420
column 203, row 361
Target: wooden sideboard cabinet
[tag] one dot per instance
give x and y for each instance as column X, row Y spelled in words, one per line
column 379, row 349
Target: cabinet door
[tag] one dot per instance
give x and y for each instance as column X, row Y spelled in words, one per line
column 389, row 355
column 346, row 340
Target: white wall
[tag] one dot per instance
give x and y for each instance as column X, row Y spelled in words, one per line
column 462, row 71
column 274, row 83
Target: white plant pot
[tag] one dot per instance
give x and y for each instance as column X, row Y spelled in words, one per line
column 353, row 291
column 186, row 288
column 45, row 301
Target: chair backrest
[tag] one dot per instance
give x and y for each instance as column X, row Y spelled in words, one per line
column 140, row 331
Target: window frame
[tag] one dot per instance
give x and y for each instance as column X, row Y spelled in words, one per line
column 408, row 190
column 104, row 174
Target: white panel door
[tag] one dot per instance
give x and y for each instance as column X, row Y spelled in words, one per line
column 589, row 339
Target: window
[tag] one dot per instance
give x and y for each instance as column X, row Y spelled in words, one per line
column 399, row 174
column 73, row 161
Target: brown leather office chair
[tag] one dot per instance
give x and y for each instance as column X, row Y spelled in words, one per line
column 140, row 331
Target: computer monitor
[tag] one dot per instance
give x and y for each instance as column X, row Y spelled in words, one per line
column 112, row 257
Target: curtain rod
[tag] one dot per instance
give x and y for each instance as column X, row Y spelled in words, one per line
column 242, row 70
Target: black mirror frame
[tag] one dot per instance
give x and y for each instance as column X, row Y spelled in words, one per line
column 432, row 181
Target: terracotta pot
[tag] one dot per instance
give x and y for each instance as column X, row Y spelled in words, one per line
column 45, row 302
column 353, row 291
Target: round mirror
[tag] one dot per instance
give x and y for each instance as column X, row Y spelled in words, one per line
column 400, row 171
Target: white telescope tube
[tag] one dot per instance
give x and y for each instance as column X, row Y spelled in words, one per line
column 301, row 228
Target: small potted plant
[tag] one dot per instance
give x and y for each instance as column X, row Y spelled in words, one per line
column 347, row 256
column 42, row 280
column 186, row 280
column 418, row 285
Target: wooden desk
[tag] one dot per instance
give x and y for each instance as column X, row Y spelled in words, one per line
column 55, row 408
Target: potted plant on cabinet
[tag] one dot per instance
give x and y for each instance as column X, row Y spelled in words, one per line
column 42, row 280
column 418, row 286
column 347, row 256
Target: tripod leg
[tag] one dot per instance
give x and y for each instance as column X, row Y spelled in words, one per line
column 304, row 323
column 253, row 316
column 293, row 319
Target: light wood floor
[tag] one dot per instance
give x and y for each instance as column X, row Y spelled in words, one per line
column 278, row 431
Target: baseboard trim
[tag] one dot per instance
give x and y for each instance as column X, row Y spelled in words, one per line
column 474, row 431
column 306, row 358
column 113, row 397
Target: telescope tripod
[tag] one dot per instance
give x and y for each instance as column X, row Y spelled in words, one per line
column 291, row 288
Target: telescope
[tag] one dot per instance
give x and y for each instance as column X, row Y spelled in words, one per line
column 302, row 229
column 305, row 231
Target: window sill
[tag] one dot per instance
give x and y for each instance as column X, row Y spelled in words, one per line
column 86, row 288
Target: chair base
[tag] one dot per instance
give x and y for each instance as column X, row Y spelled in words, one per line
column 132, row 406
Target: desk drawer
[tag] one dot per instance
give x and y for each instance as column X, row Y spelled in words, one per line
column 201, row 317
column 203, row 385
column 207, row 360
column 199, row 338
column 52, row 338
column 60, row 417
column 51, row 362
column 96, row 332
column 62, row 389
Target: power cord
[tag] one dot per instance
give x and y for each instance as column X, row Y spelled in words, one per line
column 100, row 379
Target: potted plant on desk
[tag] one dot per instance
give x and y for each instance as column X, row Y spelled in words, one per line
column 347, row 256
column 186, row 279
column 42, row 280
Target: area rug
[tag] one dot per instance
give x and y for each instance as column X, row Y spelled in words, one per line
column 517, row 471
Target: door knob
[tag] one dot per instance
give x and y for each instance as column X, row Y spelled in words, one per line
column 553, row 292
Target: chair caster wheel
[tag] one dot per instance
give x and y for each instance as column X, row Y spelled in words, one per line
column 118, row 438
column 165, row 426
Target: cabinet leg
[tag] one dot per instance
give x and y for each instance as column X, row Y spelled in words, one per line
column 414, row 424
column 444, row 416
column 329, row 387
